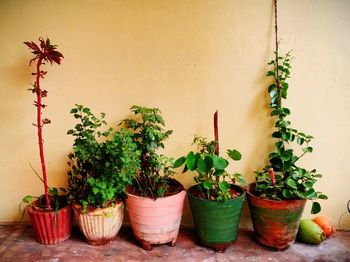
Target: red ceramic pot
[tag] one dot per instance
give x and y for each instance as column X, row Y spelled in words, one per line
column 49, row 228
column 275, row 222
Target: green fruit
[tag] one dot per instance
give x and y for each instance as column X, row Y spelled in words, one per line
column 309, row 232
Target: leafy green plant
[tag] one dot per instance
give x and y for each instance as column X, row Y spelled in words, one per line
column 102, row 163
column 149, row 135
column 212, row 177
column 283, row 178
column 43, row 53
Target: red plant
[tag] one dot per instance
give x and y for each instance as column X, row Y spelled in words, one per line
column 45, row 53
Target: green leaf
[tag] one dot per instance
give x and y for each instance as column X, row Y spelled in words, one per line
column 219, row 162
column 240, row 179
column 202, row 166
column 209, row 161
column 300, row 140
column 271, row 87
column 311, row 194
column 308, row 184
column 300, row 194
column 287, row 155
column 179, row 162
column 277, row 134
column 290, row 182
column 323, row 197
column 234, row 154
column 286, row 193
column 285, row 111
column 308, row 149
column 191, row 161
column 224, row 186
column 218, row 172
column 316, row 208
column 27, row 199
column 207, row 185
column 275, row 112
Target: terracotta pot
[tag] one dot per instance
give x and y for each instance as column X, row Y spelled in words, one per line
column 101, row 225
column 155, row 221
column 216, row 222
column 275, row 222
column 49, row 228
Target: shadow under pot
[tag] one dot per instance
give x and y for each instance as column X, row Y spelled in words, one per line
column 101, row 225
column 216, row 222
column 156, row 221
column 51, row 227
column 275, row 222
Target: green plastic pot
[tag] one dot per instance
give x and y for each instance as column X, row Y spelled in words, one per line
column 216, row 222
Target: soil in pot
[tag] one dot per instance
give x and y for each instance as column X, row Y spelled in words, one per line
column 50, row 227
column 216, row 222
column 156, row 220
column 99, row 225
column 275, row 222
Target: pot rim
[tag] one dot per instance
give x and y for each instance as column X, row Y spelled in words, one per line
column 242, row 195
column 166, row 197
column 250, row 194
column 78, row 207
column 34, row 208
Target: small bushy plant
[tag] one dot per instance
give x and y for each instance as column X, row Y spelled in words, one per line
column 149, row 135
column 102, row 163
column 212, row 178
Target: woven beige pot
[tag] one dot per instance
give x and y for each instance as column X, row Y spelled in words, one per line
column 101, row 225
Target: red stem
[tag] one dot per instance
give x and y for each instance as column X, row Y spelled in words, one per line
column 216, row 133
column 40, row 135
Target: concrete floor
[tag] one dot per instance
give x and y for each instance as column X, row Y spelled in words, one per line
column 17, row 243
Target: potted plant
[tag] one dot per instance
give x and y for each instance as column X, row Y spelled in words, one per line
column 102, row 164
column 216, row 201
column 278, row 196
column 155, row 200
column 49, row 214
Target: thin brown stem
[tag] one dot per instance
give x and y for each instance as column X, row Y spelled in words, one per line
column 278, row 85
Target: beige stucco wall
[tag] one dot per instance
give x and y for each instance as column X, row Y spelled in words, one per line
column 188, row 58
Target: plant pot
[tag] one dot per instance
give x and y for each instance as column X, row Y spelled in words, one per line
column 101, row 225
column 275, row 222
column 155, row 221
column 49, row 228
column 216, row 222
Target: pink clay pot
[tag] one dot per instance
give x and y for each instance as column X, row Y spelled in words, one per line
column 155, row 221
column 99, row 226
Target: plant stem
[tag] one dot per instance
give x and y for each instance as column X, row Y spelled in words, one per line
column 278, row 85
column 40, row 134
column 216, row 133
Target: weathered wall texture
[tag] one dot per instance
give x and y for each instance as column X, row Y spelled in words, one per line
column 188, row 58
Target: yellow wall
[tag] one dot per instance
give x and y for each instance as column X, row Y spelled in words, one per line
column 188, row 58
